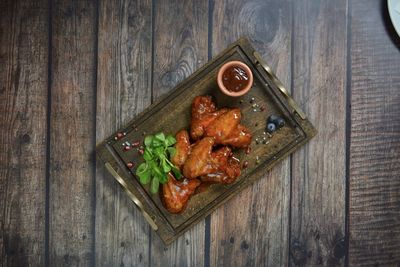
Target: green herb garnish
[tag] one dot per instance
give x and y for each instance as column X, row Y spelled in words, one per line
column 157, row 153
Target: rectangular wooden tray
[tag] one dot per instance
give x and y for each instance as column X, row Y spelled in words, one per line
column 172, row 113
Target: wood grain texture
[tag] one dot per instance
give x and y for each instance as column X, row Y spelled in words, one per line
column 23, row 98
column 124, row 89
column 71, row 192
column 319, row 169
column 375, row 137
column 180, row 47
column 252, row 228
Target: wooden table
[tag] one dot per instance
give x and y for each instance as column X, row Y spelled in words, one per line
column 72, row 72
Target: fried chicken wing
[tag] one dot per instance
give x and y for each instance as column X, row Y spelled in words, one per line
column 182, row 148
column 218, row 166
column 198, row 162
column 223, row 124
column 175, row 194
column 227, row 131
column 203, row 113
column 240, row 137
column 227, row 167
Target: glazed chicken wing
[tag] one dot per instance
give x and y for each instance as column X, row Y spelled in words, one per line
column 176, row 194
column 182, row 148
column 240, row 137
column 227, row 167
column 223, row 125
column 203, row 113
column 227, row 131
column 198, row 162
column 218, row 166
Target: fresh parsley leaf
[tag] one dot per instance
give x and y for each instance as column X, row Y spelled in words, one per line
column 157, row 166
column 143, row 172
column 141, row 168
column 165, row 166
column 157, row 171
column 163, row 179
column 157, row 143
column 176, row 172
column 155, row 184
column 170, row 140
column 171, row 151
column 147, row 155
column 145, row 177
column 159, row 151
column 160, row 136
column 148, row 140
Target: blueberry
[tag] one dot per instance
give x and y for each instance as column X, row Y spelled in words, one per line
column 271, row 127
column 272, row 119
column 279, row 122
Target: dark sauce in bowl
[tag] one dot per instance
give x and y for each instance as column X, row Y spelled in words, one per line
column 235, row 79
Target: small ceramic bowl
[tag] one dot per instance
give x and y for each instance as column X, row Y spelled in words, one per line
column 241, row 65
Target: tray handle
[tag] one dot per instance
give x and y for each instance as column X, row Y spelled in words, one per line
column 131, row 196
column 279, row 84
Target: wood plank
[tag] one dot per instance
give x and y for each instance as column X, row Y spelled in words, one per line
column 23, row 103
column 124, row 89
column 180, row 47
column 71, row 193
column 252, row 228
column 319, row 170
column 375, row 137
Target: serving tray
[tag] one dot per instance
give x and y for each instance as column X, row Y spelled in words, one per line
column 172, row 112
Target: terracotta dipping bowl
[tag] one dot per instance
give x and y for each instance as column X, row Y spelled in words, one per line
column 241, row 65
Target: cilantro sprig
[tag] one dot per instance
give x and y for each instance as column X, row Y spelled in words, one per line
column 157, row 153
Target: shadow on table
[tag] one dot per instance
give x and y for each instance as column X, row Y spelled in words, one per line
column 388, row 24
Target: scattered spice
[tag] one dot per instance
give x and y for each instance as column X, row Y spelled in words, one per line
column 248, row 150
column 135, row 144
column 126, row 148
column 245, row 164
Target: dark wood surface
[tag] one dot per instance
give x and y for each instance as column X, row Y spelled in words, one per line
column 374, row 178
column 317, row 226
column 72, row 72
column 124, row 61
column 24, row 56
column 71, row 132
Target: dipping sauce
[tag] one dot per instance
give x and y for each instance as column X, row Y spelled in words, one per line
column 235, row 79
